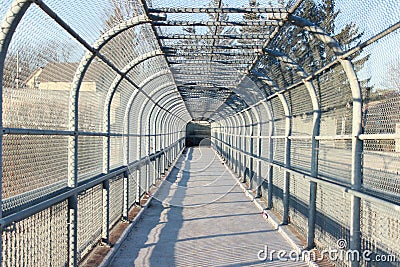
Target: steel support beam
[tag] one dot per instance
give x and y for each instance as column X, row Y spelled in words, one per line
column 256, row 23
column 216, row 37
column 218, row 10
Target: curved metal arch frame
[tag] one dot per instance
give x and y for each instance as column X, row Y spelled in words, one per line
column 163, row 122
column 144, row 104
column 140, row 121
column 128, row 113
column 166, row 121
column 357, row 143
column 126, row 124
column 108, row 101
column 155, row 124
column 249, row 136
column 161, row 163
column 314, row 149
column 76, row 84
column 135, row 94
column 181, row 109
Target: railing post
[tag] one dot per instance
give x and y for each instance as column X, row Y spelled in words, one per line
column 138, row 185
column 73, row 231
column 125, row 211
column 148, row 180
column 105, row 233
column 237, row 147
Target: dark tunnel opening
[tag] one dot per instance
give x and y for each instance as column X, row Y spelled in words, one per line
column 198, row 133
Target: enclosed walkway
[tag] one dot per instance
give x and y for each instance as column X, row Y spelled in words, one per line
column 201, row 217
column 297, row 99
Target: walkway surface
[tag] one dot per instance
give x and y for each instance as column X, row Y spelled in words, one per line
column 201, row 217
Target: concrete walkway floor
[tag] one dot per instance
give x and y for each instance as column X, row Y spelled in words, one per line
column 201, row 217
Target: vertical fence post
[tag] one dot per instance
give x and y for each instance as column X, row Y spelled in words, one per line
column 237, row 147
column 314, row 164
column 271, row 125
column 357, row 156
column 105, row 230
column 125, row 210
column 138, row 185
column 73, row 231
column 286, row 178
column 259, row 155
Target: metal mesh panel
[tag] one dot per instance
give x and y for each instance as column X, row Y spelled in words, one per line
column 24, row 108
column 332, row 218
column 143, row 178
column 264, row 176
column 118, row 106
column 334, row 160
column 279, row 150
column 116, row 198
column 147, row 140
column 277, row 70
column 380, row 228
column 101, row 16
column 126, row 46
column 133, row 142
column 380, row 109
column 132, row 187
column 116, row 155
column 381, row 174
column 380, row 116
column 299, row 199
column 335, row 100
column 93, row 90
column 277, row 189
column 35, row 74
column 300, row 155
column 148, row 68
column 90, row 156
column 33, row 162
column 89, row 218
column 301, row 108
column 279, row 116
column 368, row 26
column 39, row 240
column 134, row 129
column 265, row 149
column 265, row 123
column 152, row 169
